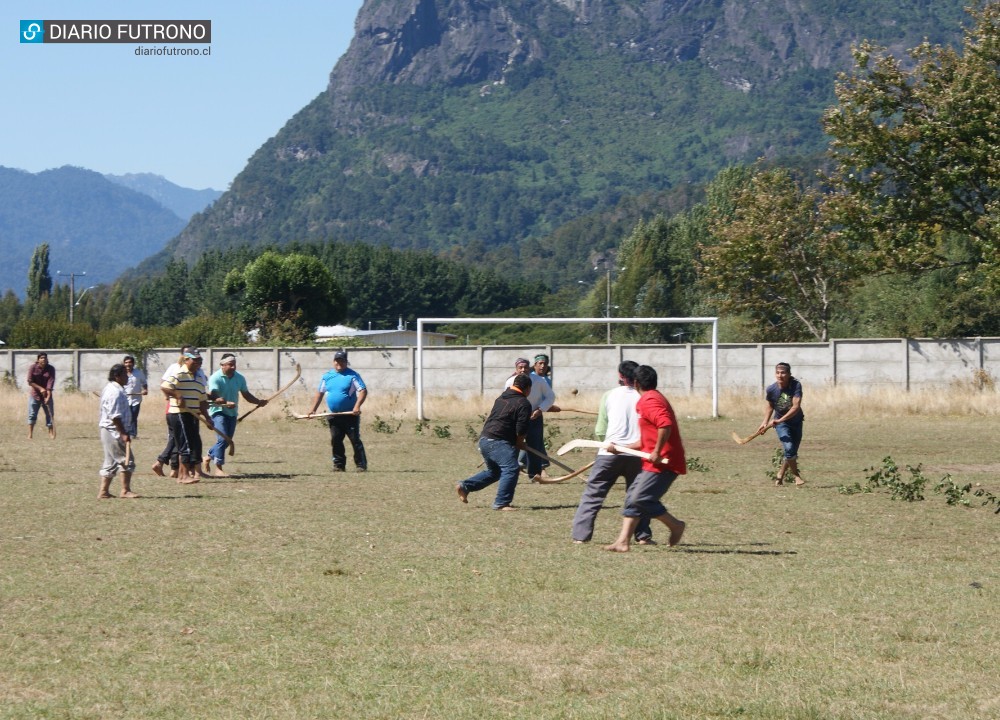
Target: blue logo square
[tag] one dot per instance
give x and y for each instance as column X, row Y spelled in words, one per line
column 32, row 31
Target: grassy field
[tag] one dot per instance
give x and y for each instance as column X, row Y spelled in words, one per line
column 291, row 592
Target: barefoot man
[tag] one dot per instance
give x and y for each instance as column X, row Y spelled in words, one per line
column 224, row 388
column 661, row 438
column 188, row 399
column 114, row 436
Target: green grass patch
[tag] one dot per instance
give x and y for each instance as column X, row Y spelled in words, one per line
column 292, row 592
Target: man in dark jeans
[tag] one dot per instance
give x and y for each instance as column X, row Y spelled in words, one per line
column 502, row 435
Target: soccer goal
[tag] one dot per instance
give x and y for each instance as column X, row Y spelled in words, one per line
column 714, row 321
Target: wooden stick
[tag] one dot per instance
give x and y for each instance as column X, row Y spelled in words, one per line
column 744, row 441
column 600, row 444
column 298, row 374
column 584, row 412
column 296, row 416
column 543, row 456
column 549, row 481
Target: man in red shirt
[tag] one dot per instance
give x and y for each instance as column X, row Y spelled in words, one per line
column 661, row 439
column 41, row 382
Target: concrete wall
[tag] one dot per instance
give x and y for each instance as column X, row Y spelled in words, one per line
column 906, row 364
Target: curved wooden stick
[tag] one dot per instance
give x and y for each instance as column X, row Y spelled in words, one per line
column 549, row 481
column 298, row 373
column 744, row 441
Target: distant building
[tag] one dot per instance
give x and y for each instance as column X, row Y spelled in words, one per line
column 400, row 337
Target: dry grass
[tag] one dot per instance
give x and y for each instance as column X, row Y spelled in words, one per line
column 290, row 592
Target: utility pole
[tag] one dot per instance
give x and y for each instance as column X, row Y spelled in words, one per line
column 72, row 290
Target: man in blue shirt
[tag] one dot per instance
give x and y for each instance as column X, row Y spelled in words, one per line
column 345, row 393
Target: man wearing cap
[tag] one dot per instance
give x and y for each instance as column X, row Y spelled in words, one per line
column 187, row 397
column 224, row 390
column 542, row 399
column 169, row 454
column 345, row 393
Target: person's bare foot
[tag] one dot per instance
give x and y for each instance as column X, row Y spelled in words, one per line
column 52, row 433
column 506, row 508
column 207, row 463
column 536, row 478
column 779, row 481
column 799, row 481
column 105, row 496
column 158, row 468
column 189, row 480
column 219, row 472
column 646, row 541
column 128, row 494
column 463, row 494
column 173, row 473
column 677, row 532
column 617, row 547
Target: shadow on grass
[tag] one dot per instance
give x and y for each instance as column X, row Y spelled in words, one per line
column 714, row 549
column 283, row 477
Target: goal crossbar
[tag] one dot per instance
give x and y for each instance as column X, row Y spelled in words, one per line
column 714, row 321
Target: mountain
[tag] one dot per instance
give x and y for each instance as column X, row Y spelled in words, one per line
column 477, row 129
column 91, row 224
column 183, row 202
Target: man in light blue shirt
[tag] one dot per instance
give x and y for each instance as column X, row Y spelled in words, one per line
column 224, row 390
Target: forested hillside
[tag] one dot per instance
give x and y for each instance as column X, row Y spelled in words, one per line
column 477, row 130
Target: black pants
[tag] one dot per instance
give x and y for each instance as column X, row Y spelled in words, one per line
column 187, row 440
column 348, row 426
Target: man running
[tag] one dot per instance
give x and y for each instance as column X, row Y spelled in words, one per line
column 661, row 439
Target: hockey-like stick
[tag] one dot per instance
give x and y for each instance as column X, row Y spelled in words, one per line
column 298, row 374
column 580, row 443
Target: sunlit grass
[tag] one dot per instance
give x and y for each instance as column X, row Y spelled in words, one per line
column 291, row 592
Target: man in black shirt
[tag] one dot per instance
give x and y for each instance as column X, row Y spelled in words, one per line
column 502, row 435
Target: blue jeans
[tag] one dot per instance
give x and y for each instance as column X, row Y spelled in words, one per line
column 223, row 423
column 133, row 425
column 47, row 408
column 790, row 435
column 501, row 466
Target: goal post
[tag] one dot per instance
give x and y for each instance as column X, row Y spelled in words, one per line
column 714, row 321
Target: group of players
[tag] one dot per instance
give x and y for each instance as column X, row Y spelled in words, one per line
column 192, row 398
column 633, row 416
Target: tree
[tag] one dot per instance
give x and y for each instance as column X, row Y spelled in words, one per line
column 39, row 279
column 776, row 261
column 281, row 289
column 918, row 151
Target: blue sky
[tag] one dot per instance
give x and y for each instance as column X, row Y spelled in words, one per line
column 194, row 120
